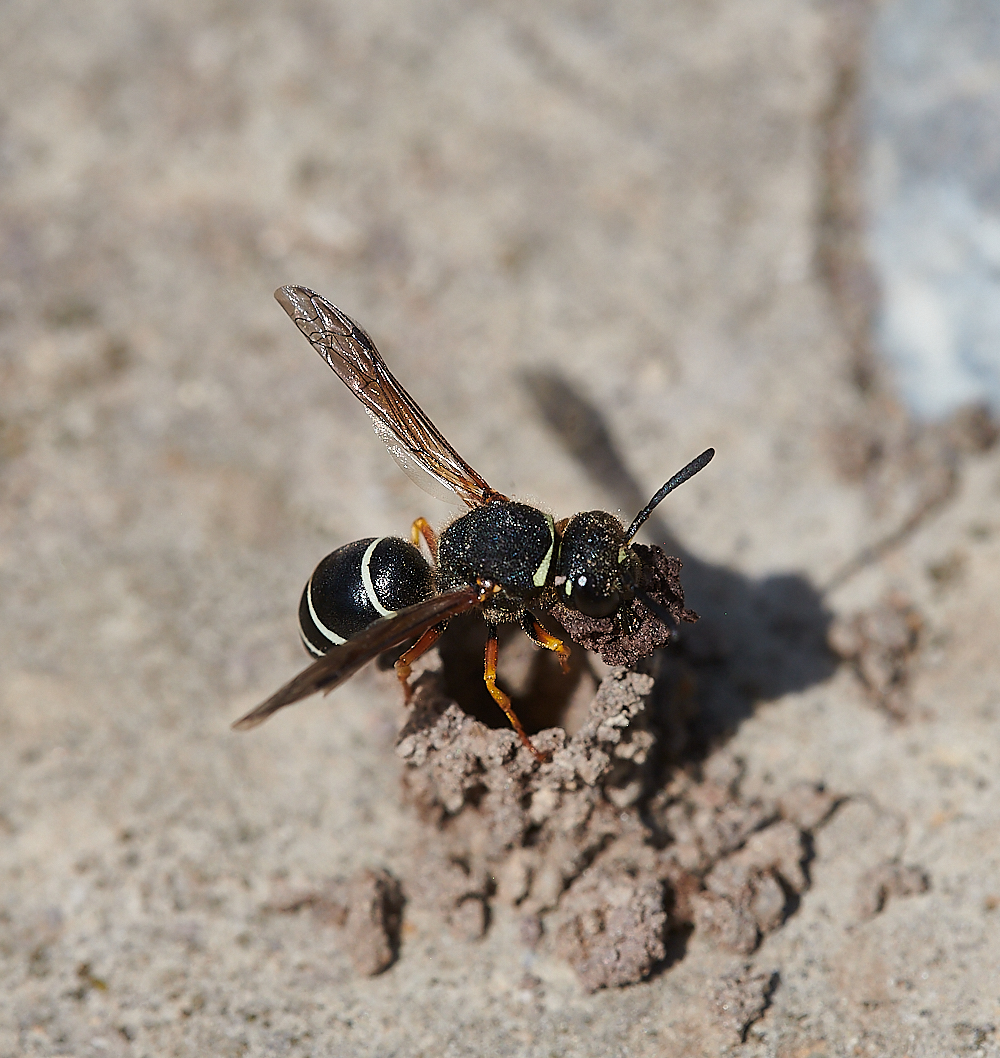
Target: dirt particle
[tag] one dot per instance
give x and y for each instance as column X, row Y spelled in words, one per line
column 468, row 919
column 735, row 897
column 371, row 931
column 742, row 996
column 972, row 429
column 455, row 889
column 729, row 925
column 367, row 907
column 89, row 980
column 530, row 931
column 327, row 903
column 947, row 570
column 807, row 804
column 610, row 928
column 876, row 886
column 882, row 644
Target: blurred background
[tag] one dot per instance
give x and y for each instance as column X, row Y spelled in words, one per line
column 933, row 113
column 591, row 241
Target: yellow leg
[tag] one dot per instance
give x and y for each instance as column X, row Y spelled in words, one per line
column 422, row 528
column 537, row 633
column 406, row 660
column 490, row 676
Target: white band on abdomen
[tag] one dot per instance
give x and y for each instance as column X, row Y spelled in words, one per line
column 332, row 636
column 366, row 576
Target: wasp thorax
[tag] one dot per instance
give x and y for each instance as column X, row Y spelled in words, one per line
column 503, row 542
column 595, row 568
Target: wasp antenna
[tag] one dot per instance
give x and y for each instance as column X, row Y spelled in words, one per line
column 679, row 478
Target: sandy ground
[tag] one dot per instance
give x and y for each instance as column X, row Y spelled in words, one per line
column 633, row 203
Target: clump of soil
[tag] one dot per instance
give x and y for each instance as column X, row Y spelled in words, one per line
column 610, row 852
column 634, row 632
column 366, row 907
column 882, row 644
column 886, row 880
column 741, row 996
column 611, row 924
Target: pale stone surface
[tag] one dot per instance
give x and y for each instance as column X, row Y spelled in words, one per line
column 626, row 198
column 933, row 189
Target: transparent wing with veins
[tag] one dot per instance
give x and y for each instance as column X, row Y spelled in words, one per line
column 412, row 439
column 344, row 659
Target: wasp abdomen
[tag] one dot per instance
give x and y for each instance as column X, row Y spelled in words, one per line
column 356, row 585
column 503, row 541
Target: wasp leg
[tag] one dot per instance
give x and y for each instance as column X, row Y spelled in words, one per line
column 490, row 676
column 406, row 659
column 422, row 528
column 536, row 632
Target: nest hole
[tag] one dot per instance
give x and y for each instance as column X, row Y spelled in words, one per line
column 542, row 695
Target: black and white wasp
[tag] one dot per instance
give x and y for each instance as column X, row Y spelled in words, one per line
column 507, row 559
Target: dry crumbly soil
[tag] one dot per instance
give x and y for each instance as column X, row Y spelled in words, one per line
column 592, row 242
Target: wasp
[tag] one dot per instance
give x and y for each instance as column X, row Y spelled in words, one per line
column 506, row 559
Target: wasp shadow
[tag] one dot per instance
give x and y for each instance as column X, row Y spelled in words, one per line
column 757, row 639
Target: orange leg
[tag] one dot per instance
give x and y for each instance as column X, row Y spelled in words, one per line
column 490, row 676
column 422, row 528
column 406, row 660
column 537, row 633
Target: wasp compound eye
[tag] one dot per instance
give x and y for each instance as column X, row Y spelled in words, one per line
column 591, row 601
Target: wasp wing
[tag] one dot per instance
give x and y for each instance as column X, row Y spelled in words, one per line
column 343, row 661
column 412, row 439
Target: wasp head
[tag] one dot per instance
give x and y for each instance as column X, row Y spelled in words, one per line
column 613, row 596
column 596, row 569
